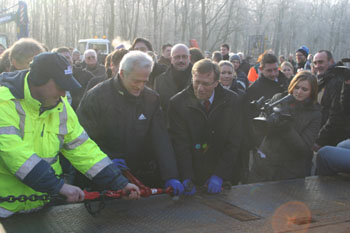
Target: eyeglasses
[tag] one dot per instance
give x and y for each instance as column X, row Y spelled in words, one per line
column 91, row 57
column 204, row 84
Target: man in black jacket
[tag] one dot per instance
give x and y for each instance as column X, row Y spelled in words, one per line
column 177, row 77
column 144, row 45
column 205, row 126
column 124, row 118
column 81, row 75
column 301, row 57
column 235, row 59
column 331, row 160
column 225, row 51
column 330, row 80
column 92, row 65
column 270, row 82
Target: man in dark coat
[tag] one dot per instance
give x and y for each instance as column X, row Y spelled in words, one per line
column 177, row 77
column 81, row 75
column 331, row 160
column 90, row 59
column 165, row 59
column 144, row 45
column 330, row 80
column 245, row 65
column 225, row 51
column 270, row 82
column 301, row 57
column 205, row 127
column 124, row 118
column 241, row 76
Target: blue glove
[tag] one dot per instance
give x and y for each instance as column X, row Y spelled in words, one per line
column 190, row 189
column 177, row 186
column 120, row 163
column 214, row 184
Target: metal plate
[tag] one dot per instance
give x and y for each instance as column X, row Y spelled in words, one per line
column 313, row 205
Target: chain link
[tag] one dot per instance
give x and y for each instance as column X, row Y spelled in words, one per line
column 24, row 198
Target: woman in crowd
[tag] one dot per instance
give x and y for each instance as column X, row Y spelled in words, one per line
column 286, row 149
column 287, row 69
column 228, row 78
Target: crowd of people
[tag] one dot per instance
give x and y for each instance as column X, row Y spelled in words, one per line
column 182, row 120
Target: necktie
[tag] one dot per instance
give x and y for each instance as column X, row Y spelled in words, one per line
column 206, row 105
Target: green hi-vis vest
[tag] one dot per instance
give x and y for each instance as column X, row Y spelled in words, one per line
column 27, row 137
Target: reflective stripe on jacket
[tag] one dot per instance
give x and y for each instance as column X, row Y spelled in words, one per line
column 27, row 138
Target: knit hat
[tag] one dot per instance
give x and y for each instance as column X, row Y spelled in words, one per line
column 235, row 57
column 52, row 65
column 304, row 50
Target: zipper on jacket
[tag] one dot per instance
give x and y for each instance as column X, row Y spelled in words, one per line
column 42, row 132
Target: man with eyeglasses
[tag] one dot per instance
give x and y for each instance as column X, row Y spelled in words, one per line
column 205, row 127
column 177, row 77
column 301, row 57
column 90, row 59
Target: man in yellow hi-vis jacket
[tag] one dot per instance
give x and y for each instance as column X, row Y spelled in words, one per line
column 36, row 123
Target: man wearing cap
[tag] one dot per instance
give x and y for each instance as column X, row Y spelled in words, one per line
column 301, row 58
column 235, row 59
column 36, row 124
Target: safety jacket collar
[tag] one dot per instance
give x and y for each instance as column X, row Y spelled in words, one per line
column 14, row 81
column 34, row 106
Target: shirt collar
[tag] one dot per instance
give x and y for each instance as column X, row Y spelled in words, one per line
column 211, row 99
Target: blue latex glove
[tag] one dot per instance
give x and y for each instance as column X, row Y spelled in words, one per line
column 120, row 163
column 177, row 186
column 190, row 188
column 214, row 184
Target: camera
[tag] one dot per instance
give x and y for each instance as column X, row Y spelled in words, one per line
column 272, row 116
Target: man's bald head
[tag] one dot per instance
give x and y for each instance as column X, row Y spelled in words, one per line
column 180, row 57
column 179, row 46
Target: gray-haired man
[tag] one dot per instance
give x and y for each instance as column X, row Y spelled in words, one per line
column 124, row 118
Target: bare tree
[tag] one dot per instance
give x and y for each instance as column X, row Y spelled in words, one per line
column 111, row 23
column 285, row 25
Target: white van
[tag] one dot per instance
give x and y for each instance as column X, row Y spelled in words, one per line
column 101, row 46
column 4, row 40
